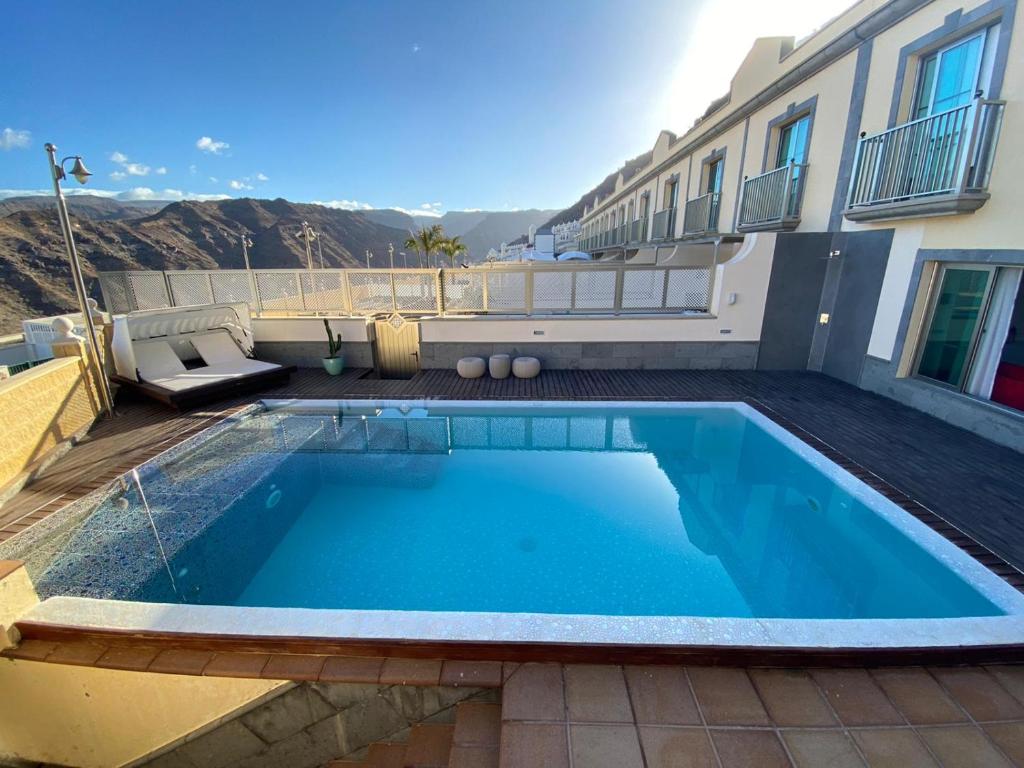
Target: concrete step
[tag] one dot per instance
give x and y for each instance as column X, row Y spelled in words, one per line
column 429, row 745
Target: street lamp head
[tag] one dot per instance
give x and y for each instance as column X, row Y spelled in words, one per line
column 79, row 171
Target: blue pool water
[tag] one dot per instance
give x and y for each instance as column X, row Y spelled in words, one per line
column 693, row 512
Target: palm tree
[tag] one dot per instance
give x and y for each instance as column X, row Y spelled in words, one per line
column 453, row 247
column 427, row 241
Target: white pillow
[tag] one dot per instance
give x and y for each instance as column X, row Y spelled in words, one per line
column 217, row 348
column 156, row 360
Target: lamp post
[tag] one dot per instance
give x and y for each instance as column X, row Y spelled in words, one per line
column 81, row 173
column 246, row 245
column 391, row 255
column 405, row 258
column 306, row 235
column 368, row 257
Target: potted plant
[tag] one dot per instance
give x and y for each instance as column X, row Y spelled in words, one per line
column 334, row 363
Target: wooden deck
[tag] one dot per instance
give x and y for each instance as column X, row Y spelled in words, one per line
column 969, row 482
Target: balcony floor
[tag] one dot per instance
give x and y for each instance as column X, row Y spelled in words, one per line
column 966, row 480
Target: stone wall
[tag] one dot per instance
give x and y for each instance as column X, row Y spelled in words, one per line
column 308, row 354
column 649, row 355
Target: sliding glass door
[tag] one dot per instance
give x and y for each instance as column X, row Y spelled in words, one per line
column 954, row 323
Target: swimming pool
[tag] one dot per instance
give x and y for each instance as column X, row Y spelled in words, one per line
column 550, row 522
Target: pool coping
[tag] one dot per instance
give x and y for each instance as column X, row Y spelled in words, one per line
column 503, row 636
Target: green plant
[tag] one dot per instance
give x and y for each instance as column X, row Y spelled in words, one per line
column 333, row 341
column 427, row 241
column 453, row 247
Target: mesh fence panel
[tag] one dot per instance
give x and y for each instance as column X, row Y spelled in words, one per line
column 415, row 292
column 230, row 287
column 688, row 288
column 643, row 289
column 595, row 289
column 463, row 290
column 552, row 290
column 148, row 290
column 324, row 291
column 116, row 298
column 190, row 288
column 506, row 291
column 279, row 291
column 370, row 291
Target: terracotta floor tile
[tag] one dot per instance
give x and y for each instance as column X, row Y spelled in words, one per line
column 531, row 745
column 963, row 746
column 661, row 696
column 605, row 746
column 792, row 698
column 1009, row 737
column 411, row 672
column 918, row 696
column 76, row 653
column 856, row 698
column 738, row 748
column 534, row 692
column 470, row 757
column 248, row 665
column 597, row 694
column 385, row 755
column 893, row 748
column 31, row 650
column 429, row 745
column 1011, row 677
column 346, row 669
column 727, row 697
column 480, row 674
column 979, row 693
column 822, row 749
column 127, row 658
column 295, row 666
column 668, row 747
column 477, row 723
column 181, row 662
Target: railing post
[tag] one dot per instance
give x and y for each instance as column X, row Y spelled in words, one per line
column 619, row 279
column 439, row 292
column 965, row 163
column 529, row 291
column 855, row 175
column 787, row 192
column 167, row 289
column 485, row 291
column 302, row 293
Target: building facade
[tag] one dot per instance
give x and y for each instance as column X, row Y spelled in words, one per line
column 883, row 150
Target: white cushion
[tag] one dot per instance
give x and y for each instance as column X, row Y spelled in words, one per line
column 198, row 377
column 217, row 347
column 156, row 360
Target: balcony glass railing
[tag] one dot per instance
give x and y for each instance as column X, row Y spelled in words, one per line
column 663, row 227
column 946, row 154
column 772, row 200
column 701, row 214
column 638, row 231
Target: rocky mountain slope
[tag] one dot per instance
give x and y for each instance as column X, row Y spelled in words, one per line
column 35, row 280
column 84, row 206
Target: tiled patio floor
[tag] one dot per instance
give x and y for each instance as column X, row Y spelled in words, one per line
column 661, row 717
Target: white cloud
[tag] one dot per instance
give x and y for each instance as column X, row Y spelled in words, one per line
column 416, row 48
column 118, row 157
column 239, row 185
column 206, row 144
column 136, row 169
column 136, row 193
column 344, row 205
column 118, row 176
column 192, row 169
column 417, row 211
column 127, row 167
column 161, row 171
column 213, row 179
column 262, row 177
column 13, row 139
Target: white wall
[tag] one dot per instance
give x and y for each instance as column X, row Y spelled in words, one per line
column 352, row 329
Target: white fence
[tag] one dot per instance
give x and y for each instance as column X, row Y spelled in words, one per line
column 505, row 289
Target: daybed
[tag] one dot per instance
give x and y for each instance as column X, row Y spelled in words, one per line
column 187, row 356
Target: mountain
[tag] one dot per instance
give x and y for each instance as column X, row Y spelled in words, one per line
column 35, row 280
column 84, row 206
column 479, row 230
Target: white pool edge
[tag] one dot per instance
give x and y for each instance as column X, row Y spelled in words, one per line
column 512, row 628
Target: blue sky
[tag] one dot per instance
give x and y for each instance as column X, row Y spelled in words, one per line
column 454, row 105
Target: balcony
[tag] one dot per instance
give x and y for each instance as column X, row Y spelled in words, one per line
column 934, row 166
column 638, row 231
column 772, row 200
column 664, row 225
column 700, row 216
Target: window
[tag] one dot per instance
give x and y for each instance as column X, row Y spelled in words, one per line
column 792, row 146
column 713, row 176
column 645, row 202
column 948, row 78
column 974, row 340
column 671, row 194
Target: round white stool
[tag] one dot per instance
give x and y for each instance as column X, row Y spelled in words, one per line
column 471, row 367
column 525, row 367
column 500, row 366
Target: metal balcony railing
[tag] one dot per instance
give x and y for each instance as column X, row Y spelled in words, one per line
column 947, row 154
column 772, row 200
column 638, row 231
column 701, row 214
column 620, row 234
column 511, row 289
column 664, row 225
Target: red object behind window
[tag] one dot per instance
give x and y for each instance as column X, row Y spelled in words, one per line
column 1009, row 386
